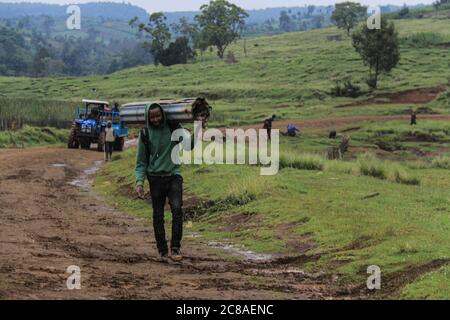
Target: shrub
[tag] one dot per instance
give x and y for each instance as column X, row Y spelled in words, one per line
column 302, row 162
column 402, row 177
column 345, row 88
column 370, row 166
column 441, row 162
column 373, row 169
column 423, row 40
column 231, row 58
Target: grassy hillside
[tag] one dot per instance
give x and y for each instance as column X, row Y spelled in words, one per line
column 291, row 73
column 32, row 136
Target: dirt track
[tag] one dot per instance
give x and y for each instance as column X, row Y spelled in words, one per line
column 50, row 219
column 338, row 122
column 47, row 224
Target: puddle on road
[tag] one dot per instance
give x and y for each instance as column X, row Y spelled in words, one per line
column 130, row 143
column 59, row 165
column 84, row 181
column 94, row 169
column 239, row 251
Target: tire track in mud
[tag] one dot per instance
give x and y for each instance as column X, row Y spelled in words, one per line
column 47, row 224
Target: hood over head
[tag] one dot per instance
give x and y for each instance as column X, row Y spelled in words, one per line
column 151, row 107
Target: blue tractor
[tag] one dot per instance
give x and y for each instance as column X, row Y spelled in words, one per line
column 89, row 126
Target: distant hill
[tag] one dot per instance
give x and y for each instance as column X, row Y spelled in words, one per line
column 126, row 11
column 262, row 15
column 107, row 10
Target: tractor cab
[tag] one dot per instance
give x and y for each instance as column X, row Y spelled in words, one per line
column 90, row 122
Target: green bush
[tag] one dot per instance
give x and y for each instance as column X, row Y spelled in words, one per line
column 345, row 88
column 302, row 162
column 404, row 178
column 370, row 166
column 423, row 40
column 441, row 162
column 373, row 169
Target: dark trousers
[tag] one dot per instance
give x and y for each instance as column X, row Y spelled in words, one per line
column 162, row 188
column 269, row 133
column 109, row 146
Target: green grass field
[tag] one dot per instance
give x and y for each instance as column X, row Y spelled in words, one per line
column 33, row 136
column 291, row 73
column 387, row 204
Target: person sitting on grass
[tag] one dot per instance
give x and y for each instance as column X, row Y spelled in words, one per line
column 292, row 130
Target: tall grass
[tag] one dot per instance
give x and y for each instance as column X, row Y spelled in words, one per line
column 366, row 165
column 423, row 40
column 248, row 189
column 370, row 166
column 18, row 112
column 441, row 162
column 32, row 136
column 302, row 161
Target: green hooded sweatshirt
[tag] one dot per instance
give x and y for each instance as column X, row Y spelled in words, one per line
column 161, row 146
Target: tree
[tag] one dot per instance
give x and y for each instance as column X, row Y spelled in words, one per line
column 159, row 34
column 39, row 66
column 285, row 22
column 441, row 3
column 189, row 30
column 221, row 24
column 378, row 48
column 47, row 24
column 114, row 66
column 348, row 14
column 404, row 12
column 178, row 52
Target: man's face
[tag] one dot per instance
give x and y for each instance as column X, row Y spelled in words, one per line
column 155, row 116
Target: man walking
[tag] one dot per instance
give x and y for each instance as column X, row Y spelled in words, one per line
column 154, row 162
column 109, row 141
column 413, row 118
column 268, row 126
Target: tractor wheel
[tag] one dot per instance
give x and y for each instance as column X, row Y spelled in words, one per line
column 85, row 144
column 73, row 141
column 119, row 144
column 101, row 142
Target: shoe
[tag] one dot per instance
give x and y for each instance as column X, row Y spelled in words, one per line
column 176, row 255
column 163, row 257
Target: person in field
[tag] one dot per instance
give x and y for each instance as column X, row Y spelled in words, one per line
column 292, row 130
column 268, row 126
column 154, row 162
column 413, row 118
column 109, row 141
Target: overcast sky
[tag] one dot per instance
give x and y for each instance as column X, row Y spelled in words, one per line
column 192, row 5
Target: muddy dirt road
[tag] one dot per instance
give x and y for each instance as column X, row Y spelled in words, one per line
column 50, row 220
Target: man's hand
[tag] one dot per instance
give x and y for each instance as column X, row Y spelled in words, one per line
column 203, row 119
column 140, row 191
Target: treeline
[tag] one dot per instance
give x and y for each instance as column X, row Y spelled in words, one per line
column 29, row 51
column 110, row 10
